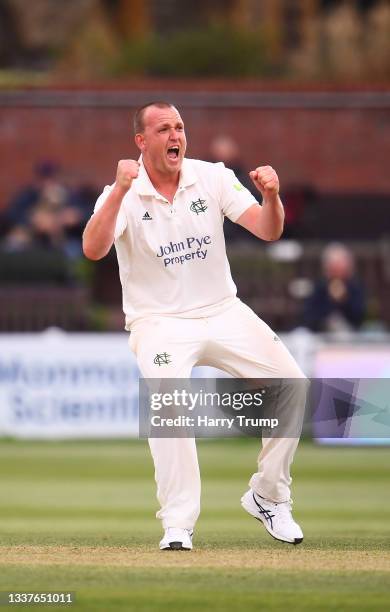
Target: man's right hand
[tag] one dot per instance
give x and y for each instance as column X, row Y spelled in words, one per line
column 126, row 172
column 99, row 233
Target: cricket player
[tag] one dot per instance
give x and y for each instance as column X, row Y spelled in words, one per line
column 165, row 213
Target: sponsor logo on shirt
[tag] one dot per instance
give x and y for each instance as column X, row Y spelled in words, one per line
column 238, row 187
column 147, row 217
column 190, row 249
column 198, row 206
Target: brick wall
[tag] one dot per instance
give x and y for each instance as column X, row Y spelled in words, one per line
column 333, row 141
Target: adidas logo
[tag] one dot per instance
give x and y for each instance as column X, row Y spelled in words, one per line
column 147, row 217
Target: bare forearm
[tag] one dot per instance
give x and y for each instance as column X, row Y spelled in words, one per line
column 99, row 233
column 272, row 219
column 268, row 220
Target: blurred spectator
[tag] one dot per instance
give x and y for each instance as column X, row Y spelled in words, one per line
column 224, row 149
column 46, row 214
column 46, row 187
column 338, row 300
column 18, row 238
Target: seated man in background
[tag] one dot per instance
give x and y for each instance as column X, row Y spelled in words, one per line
column 337, row 301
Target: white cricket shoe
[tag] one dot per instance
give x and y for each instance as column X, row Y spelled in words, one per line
column 176, row 539
column 276, row 518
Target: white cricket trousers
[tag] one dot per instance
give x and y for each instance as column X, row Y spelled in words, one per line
column 242, row 345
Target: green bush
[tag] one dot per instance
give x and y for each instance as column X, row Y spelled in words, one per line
column 216, row 51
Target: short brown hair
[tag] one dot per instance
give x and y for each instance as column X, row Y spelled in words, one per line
column 139, row 114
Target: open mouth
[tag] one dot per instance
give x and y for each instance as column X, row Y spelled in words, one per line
column 173, row 152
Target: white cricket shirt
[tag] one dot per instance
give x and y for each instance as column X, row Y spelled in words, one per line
column 172, row 257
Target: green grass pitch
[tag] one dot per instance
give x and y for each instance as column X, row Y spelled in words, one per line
column 79, row 516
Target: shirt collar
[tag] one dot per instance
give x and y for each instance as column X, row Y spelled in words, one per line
column 144, row 186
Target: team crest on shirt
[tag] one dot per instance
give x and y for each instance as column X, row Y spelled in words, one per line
column 198, row 206
column 162, row 359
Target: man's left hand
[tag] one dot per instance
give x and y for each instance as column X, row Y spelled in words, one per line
column 266, row 181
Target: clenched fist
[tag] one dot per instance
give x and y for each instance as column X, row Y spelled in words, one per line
column 126, row 172
column 265, row 180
